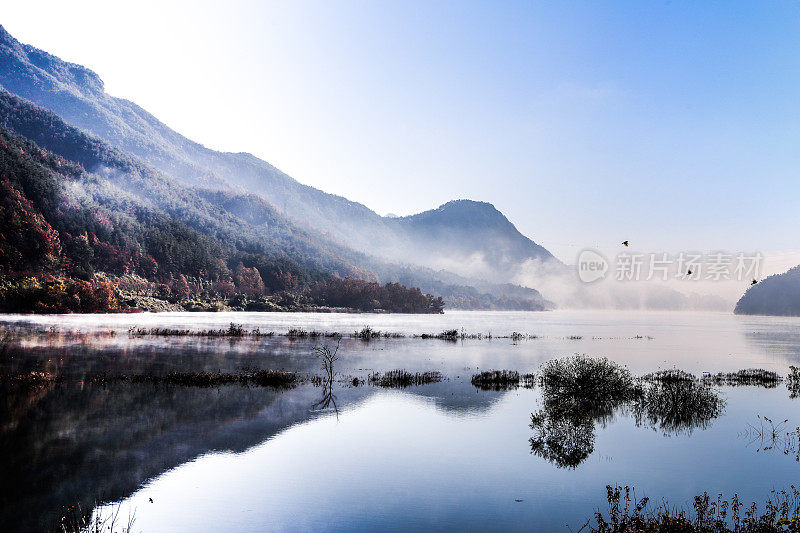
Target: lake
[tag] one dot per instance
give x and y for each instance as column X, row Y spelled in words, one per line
column 442, row 455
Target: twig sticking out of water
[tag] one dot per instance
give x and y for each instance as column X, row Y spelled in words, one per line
column 772, row 435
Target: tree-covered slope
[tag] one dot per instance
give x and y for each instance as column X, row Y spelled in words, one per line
column 777, row 295
column 149, row 237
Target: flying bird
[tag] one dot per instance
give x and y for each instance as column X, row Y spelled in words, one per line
column 688, row 272
column 624, row 243
column 753, row 282
column 151, row 500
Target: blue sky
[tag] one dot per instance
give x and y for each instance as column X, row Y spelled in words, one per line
column 674, row 125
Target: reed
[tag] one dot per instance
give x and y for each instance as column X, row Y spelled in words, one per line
column 629, row 513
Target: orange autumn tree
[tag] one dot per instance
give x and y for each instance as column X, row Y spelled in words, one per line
column 27, row 240
column 248, row 281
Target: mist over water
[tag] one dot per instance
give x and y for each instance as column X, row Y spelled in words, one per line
column 446, row 453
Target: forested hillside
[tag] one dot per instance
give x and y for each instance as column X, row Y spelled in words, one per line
column 121, row 237
column 776, row 295
column 491, row 248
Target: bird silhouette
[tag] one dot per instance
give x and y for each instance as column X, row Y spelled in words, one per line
column 151, row 500
column 753, row 282
column 688, row 272
column 624, row 243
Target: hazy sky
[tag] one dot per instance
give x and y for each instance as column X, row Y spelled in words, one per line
column 674, row 125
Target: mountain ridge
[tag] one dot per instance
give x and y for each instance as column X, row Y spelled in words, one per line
column 76, row 93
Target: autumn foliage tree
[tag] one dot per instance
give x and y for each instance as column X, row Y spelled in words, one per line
column 27, row 241
column 180, row 288
column 248, row 281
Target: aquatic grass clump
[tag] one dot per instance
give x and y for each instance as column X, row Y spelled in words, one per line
column 628, row 513
column 587, row 383
column 669, row 376
column 232, row 331
column 402, row 378
column 577, row 391
column 516, row 336
column 366, row 333
column 299, row 333
column 499, row 380
column 748, row 377
column 447, row 335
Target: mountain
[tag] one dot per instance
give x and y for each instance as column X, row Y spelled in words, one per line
column 125, row 236
column 469, row 238
column 777, row 295
column 160, row 244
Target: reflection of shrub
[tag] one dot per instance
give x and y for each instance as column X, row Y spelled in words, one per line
column 502, row 380
column 403, row 378
column 563, row 437
column 676, row 405
column 793, row 381
column 751, row 376
column 579, row 391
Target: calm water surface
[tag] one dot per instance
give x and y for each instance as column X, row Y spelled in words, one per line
column 438, row 456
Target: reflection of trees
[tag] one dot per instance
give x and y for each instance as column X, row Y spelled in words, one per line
column 793, row 382
column 328, row 397
column 328, row 357
column 579, row 392
column 562, row 437
column 677, row 406
column 71, row 442
column 563, row 431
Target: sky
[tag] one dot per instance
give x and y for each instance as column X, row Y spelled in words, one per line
column 674, row 125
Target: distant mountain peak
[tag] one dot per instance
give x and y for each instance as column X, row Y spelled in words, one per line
column 465, row 215
column 466, row 205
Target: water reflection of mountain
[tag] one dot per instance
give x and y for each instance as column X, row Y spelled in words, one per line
column 71, row 443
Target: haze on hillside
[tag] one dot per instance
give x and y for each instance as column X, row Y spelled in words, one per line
column 562, row 140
